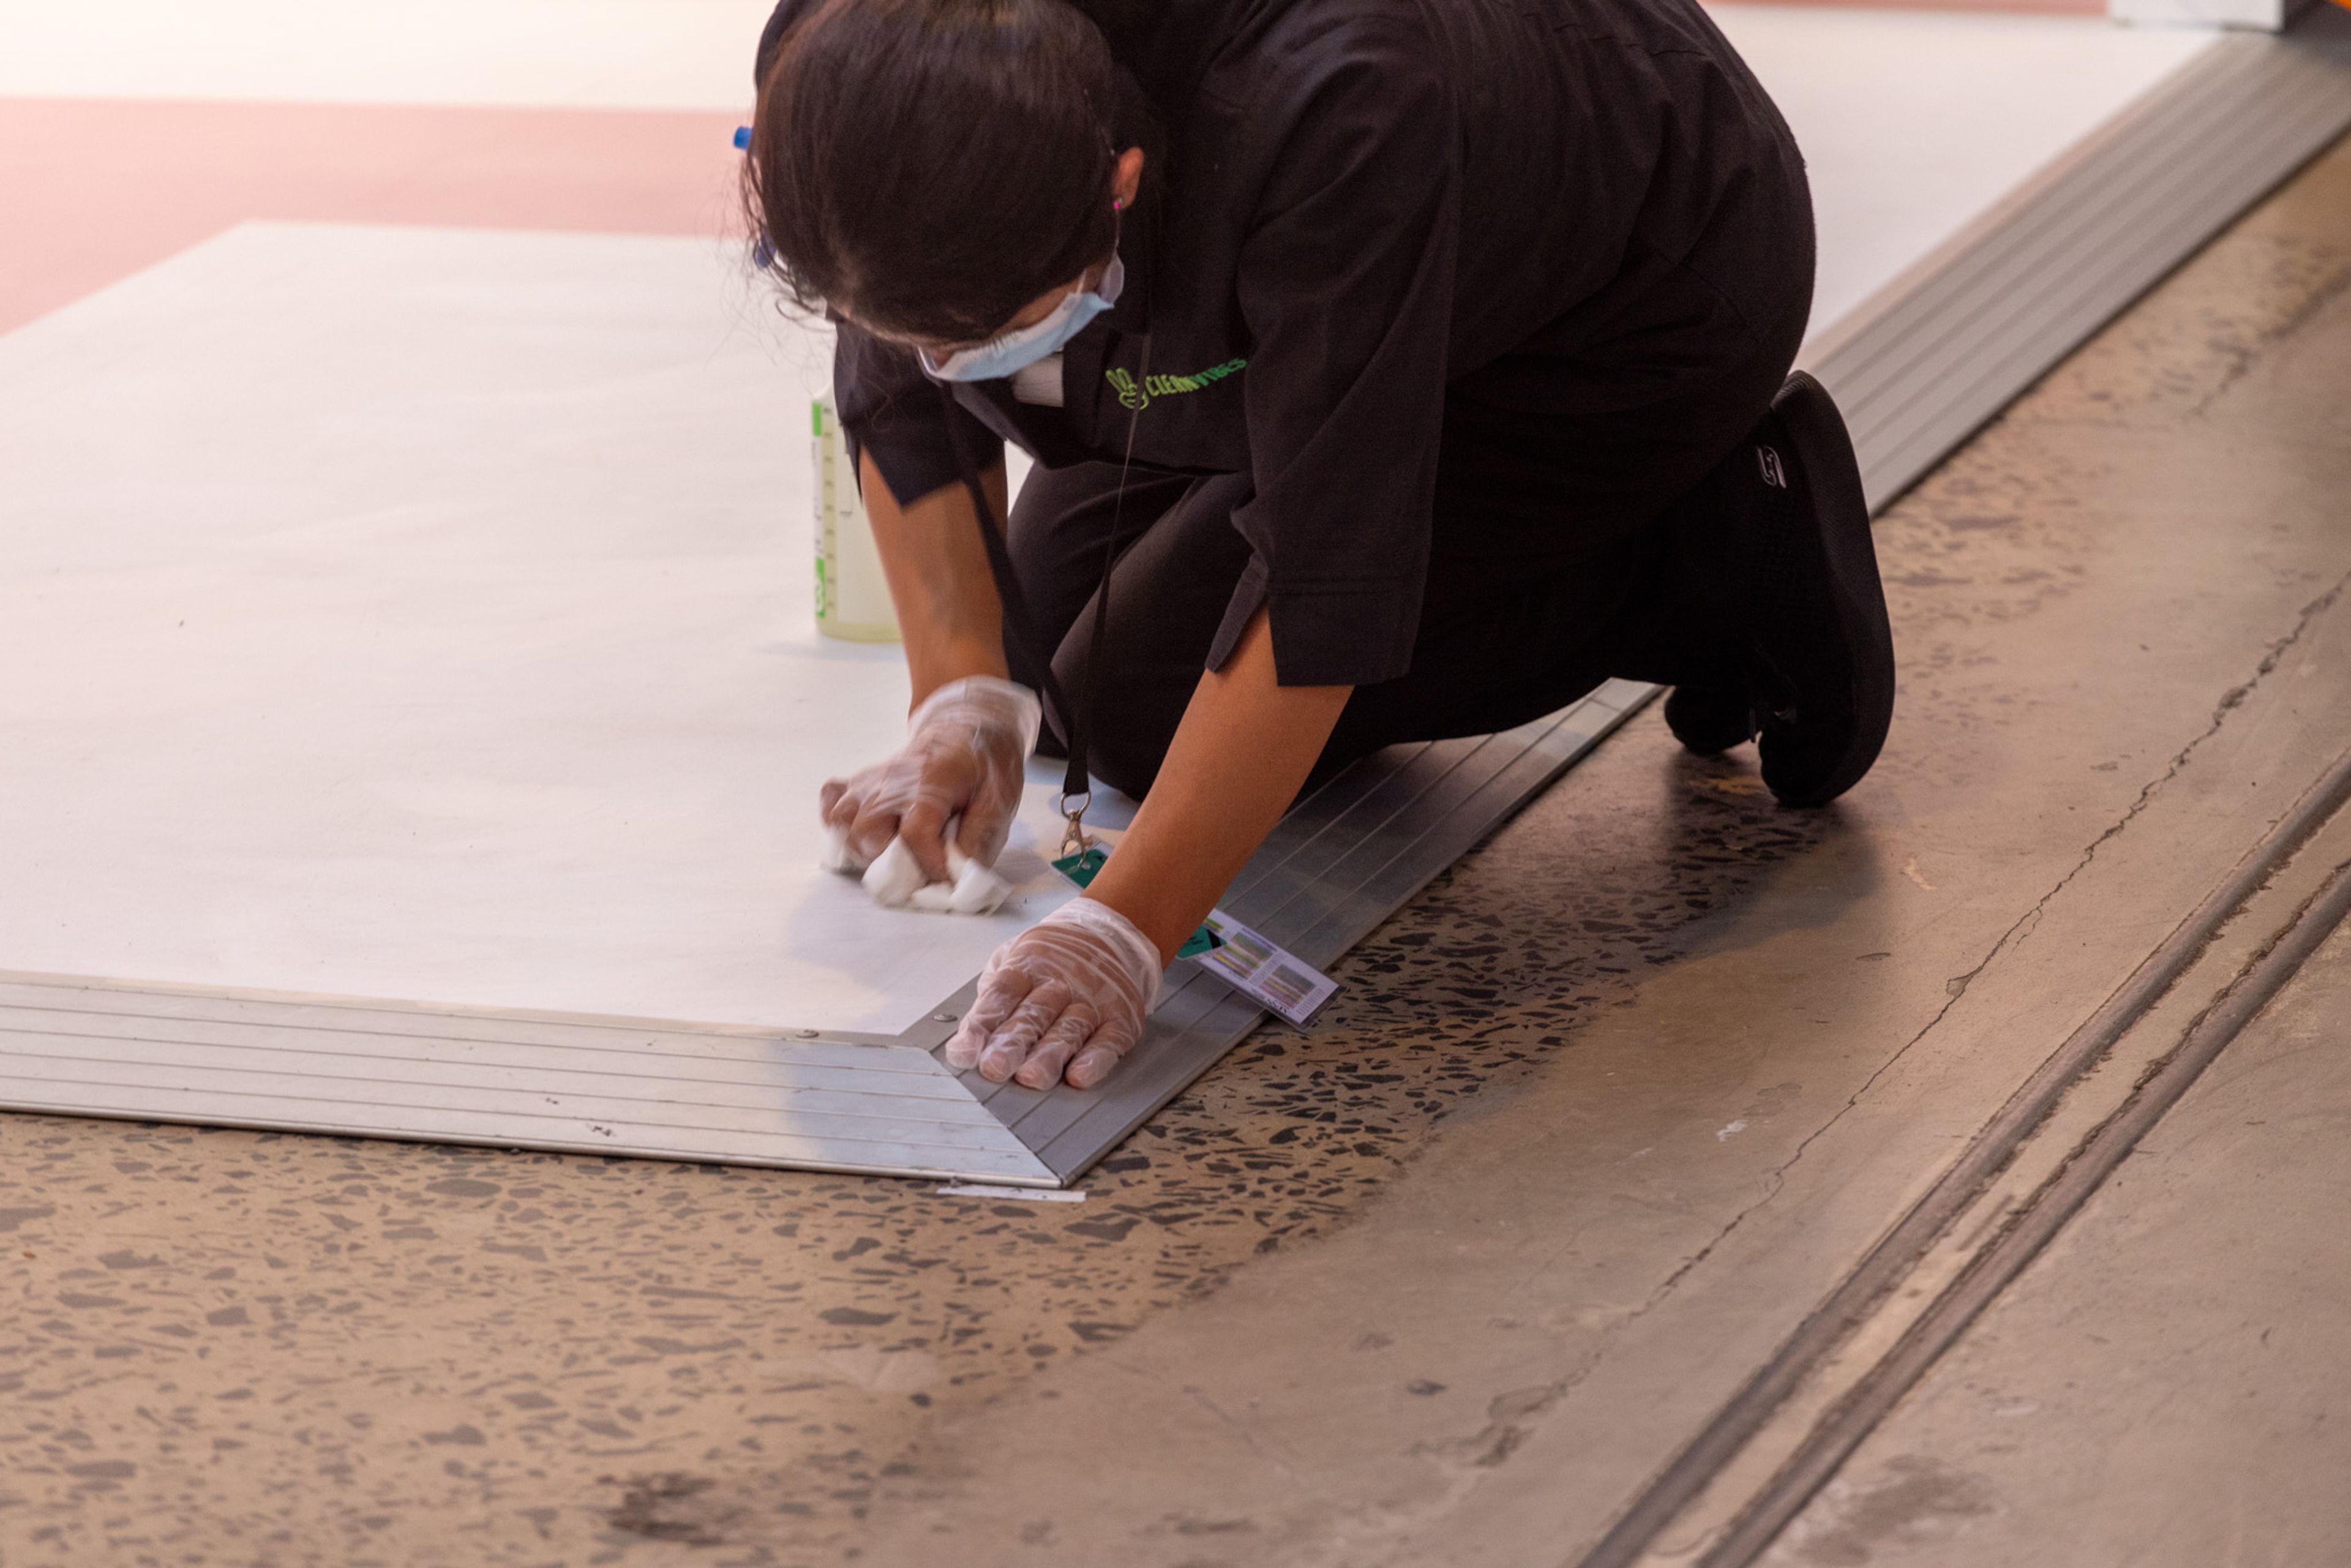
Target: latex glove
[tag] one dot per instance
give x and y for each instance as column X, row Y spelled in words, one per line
column 966, row 748
column 1069, row 992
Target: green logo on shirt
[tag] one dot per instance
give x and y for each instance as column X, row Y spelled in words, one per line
column 1138, row 395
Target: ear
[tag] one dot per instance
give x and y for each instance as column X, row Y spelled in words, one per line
column 1128, row 177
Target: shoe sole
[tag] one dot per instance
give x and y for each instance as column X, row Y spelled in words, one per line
column 1825, row 468
column 1708, row 722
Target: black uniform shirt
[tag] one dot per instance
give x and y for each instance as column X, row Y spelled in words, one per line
column 1355, row 213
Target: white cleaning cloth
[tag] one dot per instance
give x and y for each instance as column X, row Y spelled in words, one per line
column 896, row 881
column 835, row 855
column 894, row 877
column 976, row 889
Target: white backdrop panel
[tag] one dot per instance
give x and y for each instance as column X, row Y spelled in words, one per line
column 425, row 614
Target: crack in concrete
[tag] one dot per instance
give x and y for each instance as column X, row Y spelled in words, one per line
column 1241, row 1428
column 2025, row 925
column 2243, row 361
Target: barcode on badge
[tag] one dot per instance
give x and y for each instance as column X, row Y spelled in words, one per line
column 1265, row 973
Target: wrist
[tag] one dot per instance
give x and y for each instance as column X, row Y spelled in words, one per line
column 1155, row 921
column 947, row 660
column 1143, row 958
column 984, row 699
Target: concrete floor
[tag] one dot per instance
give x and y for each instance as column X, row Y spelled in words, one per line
column 1595, row 1120
column 2165, row 1387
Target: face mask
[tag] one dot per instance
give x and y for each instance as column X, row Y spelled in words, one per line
column 1024, row 346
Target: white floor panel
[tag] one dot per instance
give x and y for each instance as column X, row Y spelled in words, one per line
column 414, row 614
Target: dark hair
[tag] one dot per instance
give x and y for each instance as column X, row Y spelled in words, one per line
column 931, row 166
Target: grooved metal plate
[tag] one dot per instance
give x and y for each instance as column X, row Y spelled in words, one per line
column 97, row 1048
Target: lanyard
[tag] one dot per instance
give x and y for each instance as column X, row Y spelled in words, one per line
column 1077, row 787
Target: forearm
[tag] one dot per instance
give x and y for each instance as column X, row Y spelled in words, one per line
column 1244, row 748
column 948, row 614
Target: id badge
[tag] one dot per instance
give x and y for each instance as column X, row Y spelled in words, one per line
column 1272, row 977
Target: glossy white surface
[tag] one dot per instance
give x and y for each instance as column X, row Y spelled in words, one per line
column 425, row 614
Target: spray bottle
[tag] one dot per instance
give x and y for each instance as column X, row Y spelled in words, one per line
column 852, row 598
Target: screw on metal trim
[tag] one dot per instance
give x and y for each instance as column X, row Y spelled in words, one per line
column 804, row 1034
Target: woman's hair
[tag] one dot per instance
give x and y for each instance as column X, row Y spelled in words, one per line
column 931, row 166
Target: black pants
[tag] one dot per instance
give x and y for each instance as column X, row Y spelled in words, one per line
column 1568, row 549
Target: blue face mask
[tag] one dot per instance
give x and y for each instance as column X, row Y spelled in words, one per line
column 1002, row 355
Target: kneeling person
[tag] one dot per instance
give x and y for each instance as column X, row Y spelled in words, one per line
column 1394, row 373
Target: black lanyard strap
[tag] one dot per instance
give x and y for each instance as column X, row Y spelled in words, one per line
column 1020, row 623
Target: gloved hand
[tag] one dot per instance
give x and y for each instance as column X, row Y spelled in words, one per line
column 1072, row 990
column 966, row 747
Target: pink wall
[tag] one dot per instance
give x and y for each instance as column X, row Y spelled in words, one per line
column 95, row 190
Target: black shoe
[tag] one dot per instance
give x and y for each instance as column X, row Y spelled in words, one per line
column 1823, row 652
column 1709, row 720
